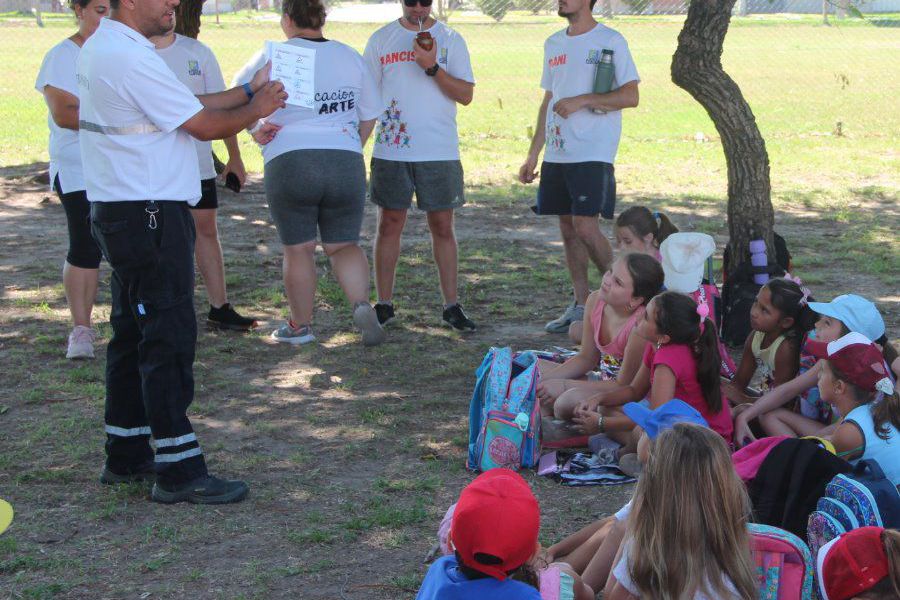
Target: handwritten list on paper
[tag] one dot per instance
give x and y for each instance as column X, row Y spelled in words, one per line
column 295, row 67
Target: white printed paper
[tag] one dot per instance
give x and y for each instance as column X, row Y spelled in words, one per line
column 295, row 67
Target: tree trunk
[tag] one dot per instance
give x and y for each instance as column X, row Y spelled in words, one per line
column 697, row 68
column 187, row 17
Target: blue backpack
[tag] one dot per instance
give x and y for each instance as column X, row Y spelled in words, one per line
column 863, row 498
column 504, row 414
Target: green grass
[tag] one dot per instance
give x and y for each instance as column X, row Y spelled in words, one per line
column 354, row 454
column 800, row 77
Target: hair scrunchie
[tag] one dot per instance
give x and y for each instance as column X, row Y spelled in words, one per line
column 703, row 311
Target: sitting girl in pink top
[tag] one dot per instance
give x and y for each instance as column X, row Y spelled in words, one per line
column 681, row 360
column 608, row 343
column 640, row 230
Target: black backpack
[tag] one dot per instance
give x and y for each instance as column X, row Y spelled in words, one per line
column 739, row 292
column 790, row 481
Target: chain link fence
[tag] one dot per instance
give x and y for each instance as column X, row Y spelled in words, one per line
column 821, row 81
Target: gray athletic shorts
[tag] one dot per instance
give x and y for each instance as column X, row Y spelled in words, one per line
column 438, row 184
column 310, row 189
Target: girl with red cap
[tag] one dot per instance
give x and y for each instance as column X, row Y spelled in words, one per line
column 863, row 564
column 853, row 372
column 494, row 540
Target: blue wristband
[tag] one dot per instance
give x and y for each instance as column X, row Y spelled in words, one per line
column 248, row 90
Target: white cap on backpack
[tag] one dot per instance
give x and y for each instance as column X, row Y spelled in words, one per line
column 684, row 258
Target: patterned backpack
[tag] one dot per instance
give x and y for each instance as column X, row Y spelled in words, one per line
column 784, row 564
column 504, row 414
column 861, row 499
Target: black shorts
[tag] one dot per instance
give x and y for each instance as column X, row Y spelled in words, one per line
column 584, row 189
column 209, row 197
column 84, row 252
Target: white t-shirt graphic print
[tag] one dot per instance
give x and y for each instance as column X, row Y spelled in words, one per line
column 570, row 64
column 419, row 121
column 195, row 65
column 345, row 94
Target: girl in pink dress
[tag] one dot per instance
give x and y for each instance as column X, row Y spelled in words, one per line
column 680, row 360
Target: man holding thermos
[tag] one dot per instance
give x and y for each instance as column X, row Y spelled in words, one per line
column 423, row 69
column 588, row 78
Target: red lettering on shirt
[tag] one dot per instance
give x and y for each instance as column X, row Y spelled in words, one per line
column 395, row 57
column 557, row 60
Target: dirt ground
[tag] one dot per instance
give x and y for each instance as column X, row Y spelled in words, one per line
column 352, row 454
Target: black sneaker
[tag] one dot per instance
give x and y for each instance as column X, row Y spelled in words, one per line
column 385, row 313
column 144, row 472
column 203, row 490
column 225, row 317
column 457, row 319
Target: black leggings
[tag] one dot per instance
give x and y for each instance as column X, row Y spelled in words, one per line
column 83, row 250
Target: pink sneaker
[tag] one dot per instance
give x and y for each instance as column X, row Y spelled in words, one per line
column 81, row 342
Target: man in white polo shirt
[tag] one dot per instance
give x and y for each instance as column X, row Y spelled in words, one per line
column 195, row 65
column 136, row 121
column 581, row 131
column 417, row 146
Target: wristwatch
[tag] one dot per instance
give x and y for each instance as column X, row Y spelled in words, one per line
column 431, row 72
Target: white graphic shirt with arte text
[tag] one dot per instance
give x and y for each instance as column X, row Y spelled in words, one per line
column 195, row 65
column 419, row 121
column 570, row 65
column 344, row 95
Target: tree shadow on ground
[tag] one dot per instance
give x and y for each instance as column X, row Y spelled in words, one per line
column 353, row 454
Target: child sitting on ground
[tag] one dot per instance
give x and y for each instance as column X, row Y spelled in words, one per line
column 853, row 371
column 684, row 261
column 638, row 229
column 612, row 312
column 687, row 534
column 493, row 534
column 591, row 550
column 779, row 318
column 863, row 564
column 681, row 360
column 836, row 318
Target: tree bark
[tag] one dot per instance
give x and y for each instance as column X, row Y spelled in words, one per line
column 697, row 68
column 187, row 17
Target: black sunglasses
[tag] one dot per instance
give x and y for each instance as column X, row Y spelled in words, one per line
column 411, row 3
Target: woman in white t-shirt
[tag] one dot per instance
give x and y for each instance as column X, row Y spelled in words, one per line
column 56, row 81
column 315, row 177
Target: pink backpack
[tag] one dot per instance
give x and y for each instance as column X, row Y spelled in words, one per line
column 748, row 459
column 784, row 564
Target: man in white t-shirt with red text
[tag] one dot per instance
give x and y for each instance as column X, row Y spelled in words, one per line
column 417, row 145
column 581, row 132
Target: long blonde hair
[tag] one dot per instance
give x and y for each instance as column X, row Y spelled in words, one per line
column 689, row 522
